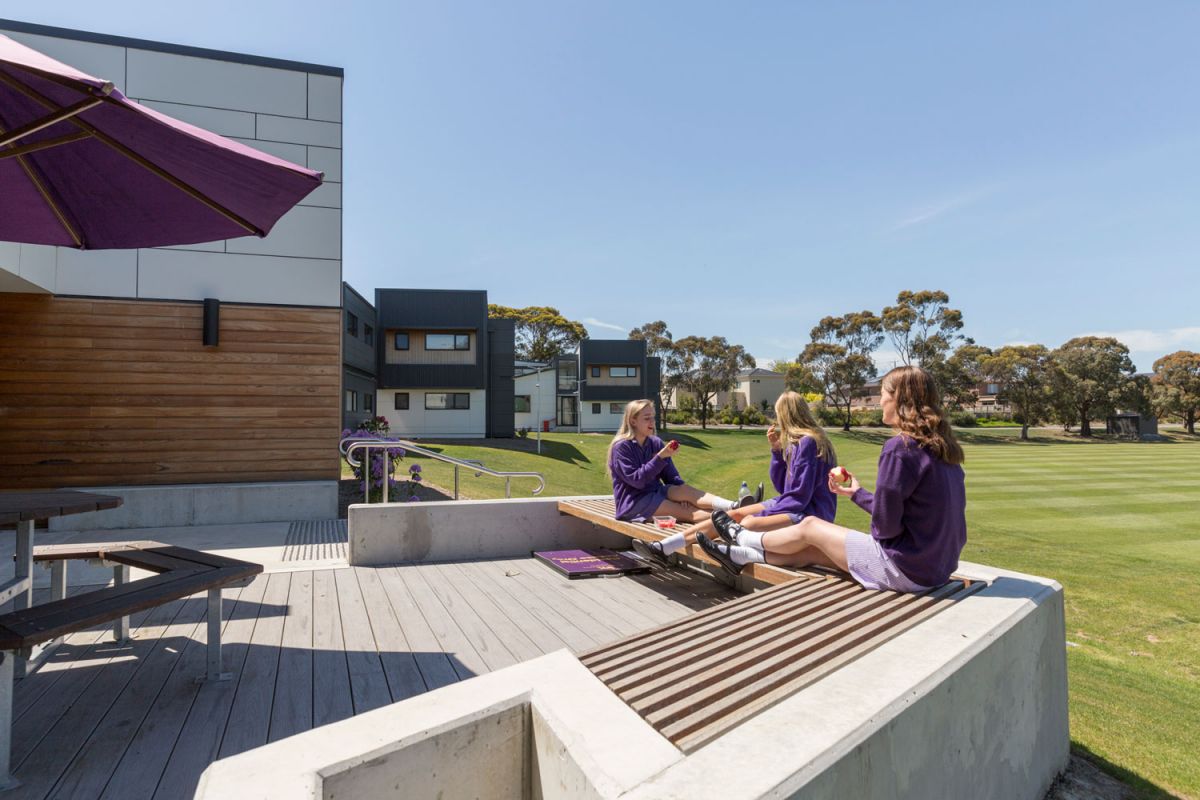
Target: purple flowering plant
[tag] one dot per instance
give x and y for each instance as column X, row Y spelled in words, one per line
column 379, row 464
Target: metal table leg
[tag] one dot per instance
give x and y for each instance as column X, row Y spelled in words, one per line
column 8, row 660
column 214, row 637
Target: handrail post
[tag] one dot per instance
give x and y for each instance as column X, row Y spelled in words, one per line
column 456, row 481
column 507, row 488
column 387, row 466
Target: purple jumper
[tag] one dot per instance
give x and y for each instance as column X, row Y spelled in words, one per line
column 639, row 478
column 804, row 489
column 918, row 511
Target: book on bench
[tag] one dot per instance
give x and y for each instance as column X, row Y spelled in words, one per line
column 597, row 563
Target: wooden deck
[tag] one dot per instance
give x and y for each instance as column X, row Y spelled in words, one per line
column 305, row 649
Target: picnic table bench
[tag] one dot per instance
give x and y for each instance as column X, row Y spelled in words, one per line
column 177, row 572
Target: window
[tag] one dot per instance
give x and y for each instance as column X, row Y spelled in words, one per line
column 447, row 341
column 402, row 401
column 368, row 402
column 456, row 401
column 351, row 324
column 351, row 400
column 616, row 408
column 595, row 372
column 622, row 372
column 566, row 376
column 368, row 334
column 521, row 404
column 595, row 408
column 993, row 388
column 401, row 342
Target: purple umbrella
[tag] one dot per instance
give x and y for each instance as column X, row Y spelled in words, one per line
column 83, row 166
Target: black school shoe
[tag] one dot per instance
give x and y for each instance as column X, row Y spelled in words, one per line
column 720, row 554
column 652, row 552
column 723, row 522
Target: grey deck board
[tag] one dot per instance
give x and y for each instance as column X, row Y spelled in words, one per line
column 295, row 674
column 368, row 684
column 139, row 770
column 200, row 739
column 250, row 717
column 305, row 648
column 331, row 676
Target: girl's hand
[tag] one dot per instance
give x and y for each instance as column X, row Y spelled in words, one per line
column 845, row 490
column 773, row 437
column 666, row 452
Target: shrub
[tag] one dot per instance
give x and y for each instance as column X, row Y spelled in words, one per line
column 678, row 418
column 829, row 417
column 752, row 416
column 963, row 419
column 870, row 418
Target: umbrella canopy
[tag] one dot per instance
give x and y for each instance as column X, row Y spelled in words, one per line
column 83, row 166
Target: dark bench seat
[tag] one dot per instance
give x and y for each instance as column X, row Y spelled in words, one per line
column 177, row 573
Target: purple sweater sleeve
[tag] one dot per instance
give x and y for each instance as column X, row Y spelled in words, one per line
column 670, row 475
column 625, row 465
column 895, row 483
column 778, row 470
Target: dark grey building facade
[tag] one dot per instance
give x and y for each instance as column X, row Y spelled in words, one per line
column 359, row 343
column 596, row 383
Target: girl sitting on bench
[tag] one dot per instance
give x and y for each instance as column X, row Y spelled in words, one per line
column 918, row 520
column 801, row 457
column 646, row 483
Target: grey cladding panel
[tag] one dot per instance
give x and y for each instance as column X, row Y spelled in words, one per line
column 432, row 309
column 612, row 351
column 439, row 376
column 611, row 393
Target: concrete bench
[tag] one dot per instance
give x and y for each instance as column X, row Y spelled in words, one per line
column 177, row 572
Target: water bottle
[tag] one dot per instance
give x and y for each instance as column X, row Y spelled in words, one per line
column 743, row 492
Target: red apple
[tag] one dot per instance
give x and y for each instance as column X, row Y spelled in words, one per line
column 839, row 474
column 674, row 445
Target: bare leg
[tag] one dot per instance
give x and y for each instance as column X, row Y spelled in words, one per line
column 681, row 512
column 692, row 496
column 810, row 532
column 810, row 556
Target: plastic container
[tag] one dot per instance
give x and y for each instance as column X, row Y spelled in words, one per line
column 664, row 522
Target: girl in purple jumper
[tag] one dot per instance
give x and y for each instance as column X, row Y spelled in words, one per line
column 918, row 519
column 644, row 479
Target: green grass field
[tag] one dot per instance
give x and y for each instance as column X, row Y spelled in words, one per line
column 1117, row 524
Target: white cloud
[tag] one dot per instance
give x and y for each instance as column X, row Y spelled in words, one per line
column 928, row 213
column 1142, row 340
column 592, row 322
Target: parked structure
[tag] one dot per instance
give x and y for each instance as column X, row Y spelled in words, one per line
column 444, row 369
column 595, row 383
column 116, row 387
column 359, row 358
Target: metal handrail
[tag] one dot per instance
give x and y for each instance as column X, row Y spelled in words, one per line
column 350, row 444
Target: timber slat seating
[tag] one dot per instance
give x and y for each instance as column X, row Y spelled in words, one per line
column 694, row 679
column 180, row 573
column 698, row 677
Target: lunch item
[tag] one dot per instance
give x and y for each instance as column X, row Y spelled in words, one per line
column 665, row 522
column 839, row 474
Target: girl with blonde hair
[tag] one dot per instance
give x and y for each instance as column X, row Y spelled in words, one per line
column 647, row 484
column 801, row 457
column 918, row 509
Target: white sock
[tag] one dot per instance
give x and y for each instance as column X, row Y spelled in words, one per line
column 721, row 504
column 673, row 543
column 746, row 555
column 752, row 539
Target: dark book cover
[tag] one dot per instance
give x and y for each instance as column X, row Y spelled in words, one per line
column 592, row 563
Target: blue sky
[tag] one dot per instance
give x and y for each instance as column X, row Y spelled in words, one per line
column 745, row 169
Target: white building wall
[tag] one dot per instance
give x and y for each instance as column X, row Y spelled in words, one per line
column 607, row 421
column 418, row 422
column 291, row 113
column 543, row 402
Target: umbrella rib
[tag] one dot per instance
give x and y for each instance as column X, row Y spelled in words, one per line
column 137, row 158
column 51, row 119
column 38, row 184
column 45, row 144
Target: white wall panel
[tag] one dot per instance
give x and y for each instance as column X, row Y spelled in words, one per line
column 327, row 195
column 304, row 231
column 327, row 160
column 105, row 273
column 39, row 264
column 221, row 84
column 299, row 131
column 418, row 422
column 98, row 60
column 324, row 97
column 191, row 275
column 217, row 120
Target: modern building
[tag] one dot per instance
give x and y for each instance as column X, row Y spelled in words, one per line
column 536, row 396
column 444, row 369
column 751, row 388
column 595, row 383
column 112, row 383
column 359, row 359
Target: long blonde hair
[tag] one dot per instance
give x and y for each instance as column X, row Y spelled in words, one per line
column 796, row 421
column 919, row 412
column 632, row 409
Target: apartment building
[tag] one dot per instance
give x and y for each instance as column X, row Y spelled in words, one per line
column 595, row 383
column 359, row 359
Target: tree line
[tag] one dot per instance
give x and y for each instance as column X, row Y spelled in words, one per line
column 1085, row 378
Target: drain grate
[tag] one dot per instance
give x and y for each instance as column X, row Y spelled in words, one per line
column 315, row 540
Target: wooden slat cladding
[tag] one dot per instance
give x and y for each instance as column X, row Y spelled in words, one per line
column 123, row 393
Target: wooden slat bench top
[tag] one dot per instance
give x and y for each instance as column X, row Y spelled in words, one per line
column 601, row 511
column 694, row 679
column 24, row 506
column 180, row 572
